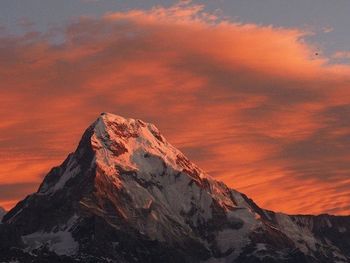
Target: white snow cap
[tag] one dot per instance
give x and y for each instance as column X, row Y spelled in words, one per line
column 135, row 145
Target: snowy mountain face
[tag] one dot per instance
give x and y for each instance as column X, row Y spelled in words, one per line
column 127, row 195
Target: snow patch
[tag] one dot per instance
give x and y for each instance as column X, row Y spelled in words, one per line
column 72, row 170
column 341, row 229
column 237, row 238
column 60, row 242
column 299, row 233
column 261, row 247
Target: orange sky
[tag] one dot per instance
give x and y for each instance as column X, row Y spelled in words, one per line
column 252, row 105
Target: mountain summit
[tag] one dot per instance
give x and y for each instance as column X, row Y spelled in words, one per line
column 128, row 195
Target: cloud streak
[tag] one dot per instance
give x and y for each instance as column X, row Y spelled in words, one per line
column 250, row 104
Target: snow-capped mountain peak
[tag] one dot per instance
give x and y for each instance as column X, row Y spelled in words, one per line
column 128, row 195
column 135, row 145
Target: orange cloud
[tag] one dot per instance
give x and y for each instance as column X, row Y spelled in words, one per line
column 342, row 54
column 250, row 104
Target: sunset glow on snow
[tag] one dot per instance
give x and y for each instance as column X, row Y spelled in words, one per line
column 252, row 105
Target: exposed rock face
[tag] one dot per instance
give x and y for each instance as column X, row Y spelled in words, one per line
column 2, row 213
column 127, row 195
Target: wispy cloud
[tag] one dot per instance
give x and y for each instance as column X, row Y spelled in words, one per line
column 342, row 54
column 327, row 29
column 251, row 104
